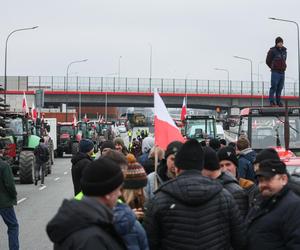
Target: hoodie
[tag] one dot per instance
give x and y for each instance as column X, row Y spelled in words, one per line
column 245, row 168
column 85, row 224
column 193, row 210
column 129, row 228
column 79, row 162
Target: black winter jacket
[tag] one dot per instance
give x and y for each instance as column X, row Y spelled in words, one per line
column 193, row 212
column 79, row 162
column 275, row 224
column 246, row 168
column 239, row 194
column 85, row 224
column 276, row 59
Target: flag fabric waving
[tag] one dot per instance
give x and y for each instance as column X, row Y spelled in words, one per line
column 24, row 104
column 33, row 112
column 165, row 128
column 183, row 110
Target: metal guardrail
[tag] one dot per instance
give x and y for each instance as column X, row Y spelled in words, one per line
column 144, row 85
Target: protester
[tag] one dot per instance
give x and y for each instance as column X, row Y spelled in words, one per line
column 135, row 179
column 276, row 61
column 214, row 144
column 165, row 170
column 106, row 146
column 120, row 146
column 229, row 162
column 275, row 223
column 246, row 157
column 41, row 154
column 88, row 223
column 80, row 161
column 147, row 144
column 212, row 169
column 149, row 164
column 8, row 198
column 192, row 211
column 223, row 143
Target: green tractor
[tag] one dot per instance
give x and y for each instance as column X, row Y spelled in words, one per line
column 21, row 135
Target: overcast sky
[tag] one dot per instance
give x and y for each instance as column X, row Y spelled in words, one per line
column 189, row 38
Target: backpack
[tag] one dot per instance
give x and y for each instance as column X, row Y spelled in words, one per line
column 43, row 154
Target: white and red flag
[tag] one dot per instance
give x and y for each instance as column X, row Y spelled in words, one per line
column 165, row 128
column 183, row 110
column 33, row 112
column 25, row 107
column 74, row 122
column 85, row 118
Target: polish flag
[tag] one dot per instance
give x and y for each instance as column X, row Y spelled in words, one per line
column 33, row 112
column 74, row 122
column 165, row 128
column 85, row 118
column 24, row 104
column 183, row 110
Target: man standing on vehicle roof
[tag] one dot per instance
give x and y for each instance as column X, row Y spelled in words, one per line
column 276, row 60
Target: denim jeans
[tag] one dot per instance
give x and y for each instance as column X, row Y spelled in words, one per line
column 39, row 167
column 10, row 219
column 277, row 83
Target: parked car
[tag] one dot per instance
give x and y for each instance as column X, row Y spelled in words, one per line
column 122, row 129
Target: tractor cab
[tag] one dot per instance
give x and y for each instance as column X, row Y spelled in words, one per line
column 271, row 127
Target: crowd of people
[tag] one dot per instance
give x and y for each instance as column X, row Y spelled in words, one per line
column 207, row 195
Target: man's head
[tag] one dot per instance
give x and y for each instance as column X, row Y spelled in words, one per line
column 242, row 144
column 214, row 144
column 42, row 140
column 147, row 144
column 190, row 156
column 102, row 179
column 265, row 154
column 228, row 160
column 272, row 177
column 279, row 42
column 86, row 146
column 118, row 158
column 106, row 146
column 119, row 144
column 223, row 143
column 211, row 160
column 171, row 151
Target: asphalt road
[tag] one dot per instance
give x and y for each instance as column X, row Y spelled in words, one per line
column 37, row 205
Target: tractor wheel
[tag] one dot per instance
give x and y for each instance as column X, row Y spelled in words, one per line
column 75, row 148
column 26, row 167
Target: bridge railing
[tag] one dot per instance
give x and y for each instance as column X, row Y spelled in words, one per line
column 144, row 85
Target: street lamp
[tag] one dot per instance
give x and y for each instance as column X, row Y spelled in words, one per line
column 226, row 70
column 67, row 87
column 249, row 60
column 290, row 21
column 5, row 60
column 69, row 65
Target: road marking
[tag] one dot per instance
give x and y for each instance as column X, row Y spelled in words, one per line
column 65, row 172
column 23, row 199
column 43, row 187
column 57, row 178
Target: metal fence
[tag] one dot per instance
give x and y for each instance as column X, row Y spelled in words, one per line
column 144, row 85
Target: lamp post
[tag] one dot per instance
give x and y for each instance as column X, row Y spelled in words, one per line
column 251, row 69
column 67, row 87
column 227, row 71
column 5, row 60
column 291, row 21
column 150, row 65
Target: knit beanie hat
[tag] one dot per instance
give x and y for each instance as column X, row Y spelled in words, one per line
column 278, row 40
column 211, row 161
column 130, row 158
column 228, row 154
column 266, row 154
column 190, row 156
column 119, row 141
column 107, row 144
column 85, row 145
column 135, row 176
column 214, row 144
column 101, row 177
column 173, row 148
